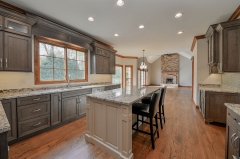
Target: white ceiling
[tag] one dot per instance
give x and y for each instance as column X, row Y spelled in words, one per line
column 160, row 33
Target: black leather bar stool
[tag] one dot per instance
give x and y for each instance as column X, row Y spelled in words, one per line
column 149, row 111
column 146, row 100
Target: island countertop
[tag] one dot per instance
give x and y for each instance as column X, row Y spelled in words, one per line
column 233, row 107
column 126, row 96
column 4, row 124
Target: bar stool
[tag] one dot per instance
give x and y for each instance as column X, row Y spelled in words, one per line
column 149, row 111
column 146, row 100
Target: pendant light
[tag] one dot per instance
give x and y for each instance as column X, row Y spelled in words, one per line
column 143, row 66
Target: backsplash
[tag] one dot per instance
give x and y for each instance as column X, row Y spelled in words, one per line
column 231, row 79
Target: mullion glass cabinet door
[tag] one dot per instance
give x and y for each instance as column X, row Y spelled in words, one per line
column 1, row 22
column 17, row 27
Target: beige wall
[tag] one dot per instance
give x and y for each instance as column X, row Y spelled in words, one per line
column 156, row 72
column 128, row 61
column 185, row 71
column 17, row 80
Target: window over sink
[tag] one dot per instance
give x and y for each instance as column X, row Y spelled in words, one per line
column 55, row 62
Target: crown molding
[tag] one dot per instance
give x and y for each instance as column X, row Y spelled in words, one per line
column 127, row 57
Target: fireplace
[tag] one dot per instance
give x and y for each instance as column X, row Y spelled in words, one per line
column 169, row 81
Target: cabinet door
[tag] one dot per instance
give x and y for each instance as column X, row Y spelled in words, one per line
column 210, row 58
column 10, row 109
column 230, row 136
column 1, row 50
column 112, row 63
column 231, row 49
column 82, row 105
column 106, row 65
column 99, row 64
column 17, row 53
column 17, row 27
column 69, row 108
column 1, row 22
column 215, row 108
column 56, row 108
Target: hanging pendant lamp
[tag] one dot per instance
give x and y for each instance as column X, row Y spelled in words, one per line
column 143, row 66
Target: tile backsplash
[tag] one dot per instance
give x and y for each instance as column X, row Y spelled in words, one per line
column 231, row 79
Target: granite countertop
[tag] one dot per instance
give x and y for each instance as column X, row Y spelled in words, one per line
column 221, row 88
column 233, row 107
column 4, row 124
column 125, row 96
column 29, row 92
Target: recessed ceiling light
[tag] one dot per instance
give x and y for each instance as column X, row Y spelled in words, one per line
column 120, row 3
column 91, row 19
column 141, row 26
column 178, row 15
column 116, row 35
column 180, row 32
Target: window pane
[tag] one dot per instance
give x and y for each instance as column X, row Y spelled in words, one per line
column 46, row 74
column 72, row 73
column 80, row 65
column 72, row 64
column 71, row 54
column 80, row 75
column 80, row 56
column 45, row 49
column 59, row 63
column 128, row 82
column 46, row 62
column 58, row 52
column 59, row 74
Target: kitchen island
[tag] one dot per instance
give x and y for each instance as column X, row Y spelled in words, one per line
column 109, row 119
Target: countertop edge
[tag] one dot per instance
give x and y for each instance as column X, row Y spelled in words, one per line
column 233, row 107
column 4, row 124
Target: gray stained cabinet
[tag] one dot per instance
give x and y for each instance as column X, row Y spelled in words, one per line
column 1, row 50
column 102, row 60
column 17, row 53
column 56, row 108
column 1, row 22
column 229, row 46
column 70, row 108
column 82, row 105
column 232, row 135
column 10, row 109
column 215, row 110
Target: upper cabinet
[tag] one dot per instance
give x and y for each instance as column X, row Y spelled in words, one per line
column 1, row 22
column 102, row 60
column 229, row 46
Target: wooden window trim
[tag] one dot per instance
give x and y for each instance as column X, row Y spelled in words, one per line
column 131, row 66
column 122, row 72
column 37, row 40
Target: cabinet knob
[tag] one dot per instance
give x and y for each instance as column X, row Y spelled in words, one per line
column 6, row 62
column 1, row 65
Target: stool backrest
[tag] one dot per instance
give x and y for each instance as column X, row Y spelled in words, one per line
column 154, row 102
column 163, row 90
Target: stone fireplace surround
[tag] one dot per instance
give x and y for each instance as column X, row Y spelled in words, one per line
column 171, row 75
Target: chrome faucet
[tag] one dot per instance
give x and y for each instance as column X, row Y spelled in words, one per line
column 68, row 81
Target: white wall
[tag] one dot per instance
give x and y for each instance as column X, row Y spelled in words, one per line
column 185, row 71
column 201, row 72
column 17, row 80
column 156, row 72
column 128, row 61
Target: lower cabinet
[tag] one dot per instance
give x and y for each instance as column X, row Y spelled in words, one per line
column 70, row 108
column 232, row 135
column 215, row 110
column 82, row 105
column 10, row 109
column 56, row 108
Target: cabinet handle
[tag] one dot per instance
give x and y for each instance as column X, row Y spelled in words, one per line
column 1, row 62
column 232, row 138
column 234, row 157
column 34, row 125
column 6, row 62
column 235, row 144
column 36, row 110
column 36, row 99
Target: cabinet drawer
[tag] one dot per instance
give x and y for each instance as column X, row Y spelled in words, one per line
column 233, row 118
column 33, row 99
column 33, row 110
column 33, row 125
column 76, row 93
column 98, row 89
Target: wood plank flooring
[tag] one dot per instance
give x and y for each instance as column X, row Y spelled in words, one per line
column 184, row 136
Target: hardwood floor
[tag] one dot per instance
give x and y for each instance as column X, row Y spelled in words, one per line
column 184, row 136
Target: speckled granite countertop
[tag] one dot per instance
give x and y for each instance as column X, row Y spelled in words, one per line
column 219, row 88
column 29, row 92
column 125, row 96
column 233, row 107
column 4, row 124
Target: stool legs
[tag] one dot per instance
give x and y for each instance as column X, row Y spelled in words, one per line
column 163, row 113
column 156, row 120
column 160, row 116
column 137, row 121
column 151, row 132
